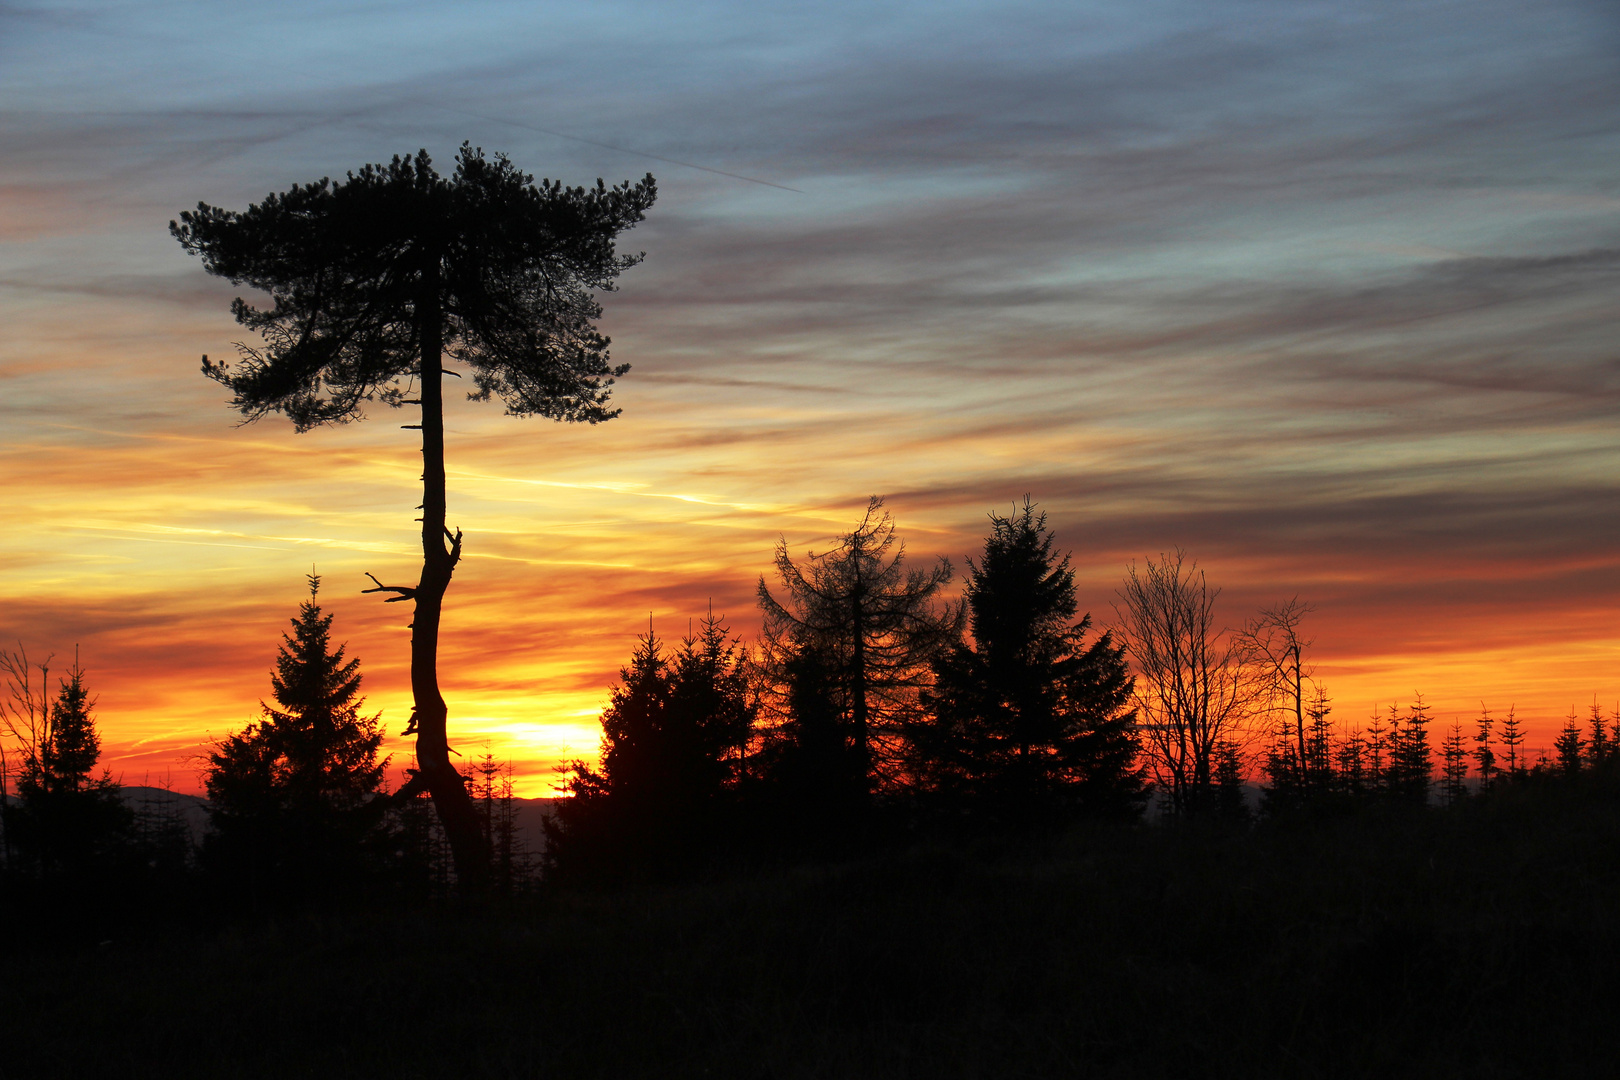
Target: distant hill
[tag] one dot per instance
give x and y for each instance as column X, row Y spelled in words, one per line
column 531, row 813
column 160, row 802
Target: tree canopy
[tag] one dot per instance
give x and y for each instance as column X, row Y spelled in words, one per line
column 364, row 273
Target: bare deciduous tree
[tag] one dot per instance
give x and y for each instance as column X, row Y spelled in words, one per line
column 1193, row 690
column 1274, row 655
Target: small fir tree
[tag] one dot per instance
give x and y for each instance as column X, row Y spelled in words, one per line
column 875, row 626
column 1569, row 747
column 295, row 794
column 1351, row 760
column 673, row 742
column 1512, row 739
column 1454, row 772
column 66, row 817
column 1411, row 766
column 1377, row 750
column 1484, row 756
column 1319, row 741
column 493, row 792
column 1229, row 801
column 1600, row 747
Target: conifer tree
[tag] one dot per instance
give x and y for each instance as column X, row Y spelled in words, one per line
column 1484, row 756
column 492, row 790
column 1411, row 768
column 295, row 794
column 673, row 741
column 1319, row 744
column 1602, row 746
column 1512, row 738
column 1570, row 747
column 1454, row 772
column 874, row 626
column 66, row 817
column 1350, row 760
column 379, row 278
column 1030, row 718
column 1229, row 802
column 1378, row 746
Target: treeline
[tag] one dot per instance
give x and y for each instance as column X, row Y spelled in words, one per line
column 869, row 703
column 873, row 708
column 298, row 806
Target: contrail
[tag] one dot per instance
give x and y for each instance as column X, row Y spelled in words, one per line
column 619, row 149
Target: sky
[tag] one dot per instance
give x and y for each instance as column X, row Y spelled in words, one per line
column 1325, row 294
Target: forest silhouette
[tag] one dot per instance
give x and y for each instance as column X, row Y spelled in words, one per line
column 904, row 831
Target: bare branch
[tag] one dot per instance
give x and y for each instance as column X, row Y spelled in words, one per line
column 406, row 592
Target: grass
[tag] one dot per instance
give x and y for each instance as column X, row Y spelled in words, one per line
column 1480, row 943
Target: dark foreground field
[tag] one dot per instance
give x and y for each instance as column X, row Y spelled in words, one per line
column 1481, row 943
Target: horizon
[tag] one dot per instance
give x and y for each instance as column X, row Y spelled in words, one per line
column 1322, row 294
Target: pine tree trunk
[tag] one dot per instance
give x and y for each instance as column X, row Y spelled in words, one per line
column 455, row 807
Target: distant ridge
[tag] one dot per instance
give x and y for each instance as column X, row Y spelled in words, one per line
column 193, row 809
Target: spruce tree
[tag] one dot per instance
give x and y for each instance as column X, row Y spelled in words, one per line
column 1570, row 747
column 674, row 739
column 67, row 817
column 1411, row 767
column 1350, row 760
column 1454, row 771
column 1602, row 746
column 1229, row 801
column 1484, row 756
column 1030, row 718
column 295, row 795
column 1512, row 738
column 1377, row 750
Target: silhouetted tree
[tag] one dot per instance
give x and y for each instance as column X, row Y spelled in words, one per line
column 875, row 628
column 1512, row 738
column 295, row 796
column 1380, row 739
column 673, row 742
column 65, row 817
column 1602, row 744
column 1229, row 802
column 1029, row 719
column 493, row 791
column 1570, row 747
column 375, row 280
column 1274, row 652
column 1454, row 769
column 1192, row 690
column 1350, row 764
column 1484, row 756
column 1411, row 759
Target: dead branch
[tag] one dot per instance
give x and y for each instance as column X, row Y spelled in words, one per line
column 406, row 592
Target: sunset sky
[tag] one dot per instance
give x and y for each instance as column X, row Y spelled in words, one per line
column 1324, row 293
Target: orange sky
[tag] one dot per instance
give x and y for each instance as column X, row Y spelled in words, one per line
column 1329, row 303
